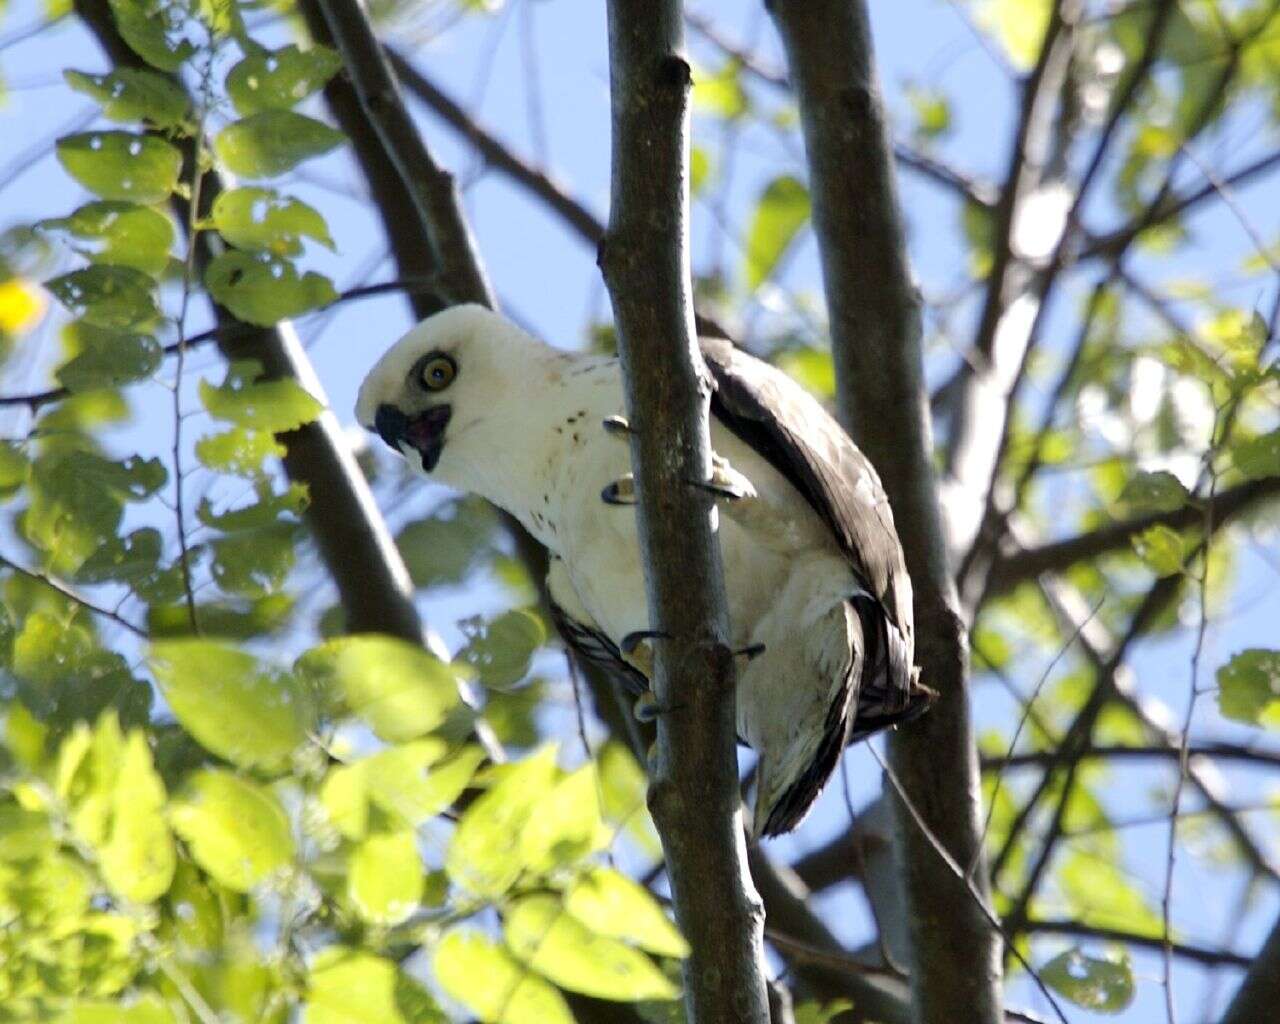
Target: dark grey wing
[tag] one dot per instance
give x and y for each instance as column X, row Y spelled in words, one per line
column 791, row 430
column 594, row 647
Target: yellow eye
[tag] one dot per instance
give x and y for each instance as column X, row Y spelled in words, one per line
column 437, row 372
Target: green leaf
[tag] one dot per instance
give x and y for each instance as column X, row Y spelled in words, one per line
column 565, row 823
column 133, row 94
column 347, row 986
column 1097, row 984
column 148, row 1008
column 932, row 110
column 1019, row 25
column 137, row 858
column 500, row 649
column 237, row 620
column 1098, row 892
column 240, row 451
column 108, row 358
column 445, row 547
column 237, row 831
column 120, row 234
column 486, row 854
column 410, row 783
column 259, row 288
column 401, row 690
column 385, row 878
column 14, row 468
column 1249, row 687
column 120, row 165
column 812, row 368
column 1258, row 456
column 611, row 904
column 721, row 94
column 251, row 715
column 117, row 298
column 272, row 142
column 129, row 559
column 781, row 211
column 821, row 1013
column 155, row 31
column 484, row 977
column 1154, row 492
column 558, row 946
column 261, row 218
column 623, row 789
column 255, row 563
column 280, row 79
column 262, row 405
column 1161, row 549
column 344, row 797
column 271, row 509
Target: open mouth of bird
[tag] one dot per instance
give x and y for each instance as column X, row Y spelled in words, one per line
column 424, row 432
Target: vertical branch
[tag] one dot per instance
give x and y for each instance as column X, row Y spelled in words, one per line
column 1259, row 993
column 645, row 259
column 875, row 327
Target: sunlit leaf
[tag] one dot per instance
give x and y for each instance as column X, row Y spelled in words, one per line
column 401, row 690
column 489, row 982
column 1249, row 687
column 721, row 94
column 133, row 94
column 557, row 945
column 1019, row 25
column 1103, row 985
column 263, row 289
column 565, row 823
column 410, row 783
column 261, row 218
column 236, row 830
column 813, row 1012
column 623, row 786
column 932, row 111
column 261, row 405
column 271, row 509
column 812, row 368
column 120, row 165
column 272, row 142
column 119, row 233
column 611, row 904
column 385, row 877
column 240, row 451
column 154, row 30
column 117, row 298
column 137, row 857
column 486, row 854
column 348, row 986
column 1161, row 549
column 781, row 211
column 238, row 708
column 280, row 79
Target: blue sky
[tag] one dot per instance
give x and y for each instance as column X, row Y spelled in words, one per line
column 546, row 277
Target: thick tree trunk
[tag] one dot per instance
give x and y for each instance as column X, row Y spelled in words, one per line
column 875, row 336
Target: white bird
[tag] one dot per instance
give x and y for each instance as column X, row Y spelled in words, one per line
column 819, row 597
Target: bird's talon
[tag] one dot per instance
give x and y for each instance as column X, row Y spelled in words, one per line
column 635, row 638
column 618, row 426
column 718, row 490
column 647, row 709
column 621, row 492
column 750, row 652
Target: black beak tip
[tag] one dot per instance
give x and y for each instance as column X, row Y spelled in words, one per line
column 390, row 424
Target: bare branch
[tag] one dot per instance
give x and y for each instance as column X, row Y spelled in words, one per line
column 875, row 327
column 74, row 596
column 1214, row 751
column 1198, row 954
column 644, row 256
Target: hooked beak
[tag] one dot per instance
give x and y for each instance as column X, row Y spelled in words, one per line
column 423, row 432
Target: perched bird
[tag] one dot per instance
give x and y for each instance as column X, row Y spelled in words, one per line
column 819, row 597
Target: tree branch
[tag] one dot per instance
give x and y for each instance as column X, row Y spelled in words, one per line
column 1198, row 954
column 645, row 259
column 1057, row 556
column 875, row 324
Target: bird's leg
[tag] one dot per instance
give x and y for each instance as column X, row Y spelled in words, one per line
column 637, row 648
column 621, row 492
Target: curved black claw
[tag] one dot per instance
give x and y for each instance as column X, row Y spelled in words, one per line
column 620, row 492
column 617, row 426
column 634, row 639
column 750, row 652
column 647, row 708
column 719, row 490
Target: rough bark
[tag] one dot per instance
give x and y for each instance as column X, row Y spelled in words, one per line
column 350, row 533
column 644, row 255
column 875, row 328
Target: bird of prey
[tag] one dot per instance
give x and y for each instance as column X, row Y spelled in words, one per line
column 819, row 597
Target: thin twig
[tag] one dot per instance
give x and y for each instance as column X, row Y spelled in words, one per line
column 74, row 596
